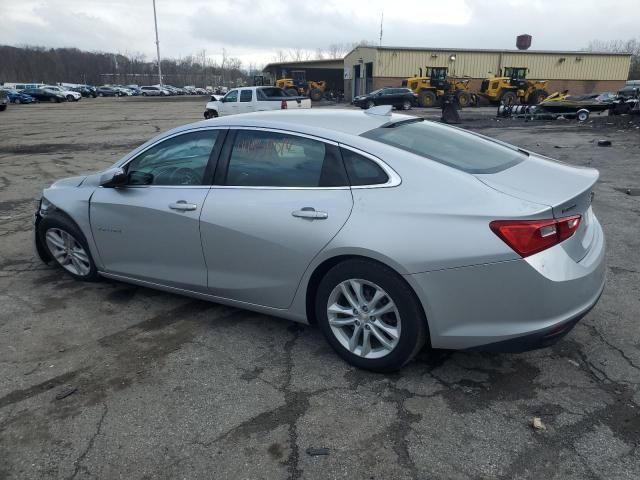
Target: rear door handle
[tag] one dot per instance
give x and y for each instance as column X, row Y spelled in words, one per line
column 183, row 206
column 310, row 213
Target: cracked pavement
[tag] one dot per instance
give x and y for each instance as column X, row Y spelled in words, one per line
column 169, row 387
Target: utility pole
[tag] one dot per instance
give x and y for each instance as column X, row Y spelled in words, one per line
column 155, row 20
column 381, row 22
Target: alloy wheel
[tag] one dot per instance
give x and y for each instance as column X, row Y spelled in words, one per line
column 68, row 252
column 364, row 318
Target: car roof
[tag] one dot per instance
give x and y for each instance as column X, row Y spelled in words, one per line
column 311, row 121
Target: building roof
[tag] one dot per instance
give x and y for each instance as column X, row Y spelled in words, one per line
column 489, row 50
column 324, row 63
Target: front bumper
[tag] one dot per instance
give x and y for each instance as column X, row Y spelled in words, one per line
column 514, row 305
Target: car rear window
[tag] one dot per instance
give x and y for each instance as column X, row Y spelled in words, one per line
column 450, row 146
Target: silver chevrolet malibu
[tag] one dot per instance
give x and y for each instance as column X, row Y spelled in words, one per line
column 387, row 231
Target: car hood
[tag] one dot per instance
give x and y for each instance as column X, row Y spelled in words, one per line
column 70, row 182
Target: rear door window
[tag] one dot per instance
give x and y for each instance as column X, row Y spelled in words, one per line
column 273, row 159
column 245, row 96
column 450, row 146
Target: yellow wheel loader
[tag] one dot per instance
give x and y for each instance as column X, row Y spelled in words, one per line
column 436, row 82
column 313, row 90
column 512, row 87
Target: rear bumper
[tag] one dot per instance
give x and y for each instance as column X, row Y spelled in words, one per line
column 514, row 305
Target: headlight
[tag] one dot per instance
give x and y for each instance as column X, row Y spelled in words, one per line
column 45, row 205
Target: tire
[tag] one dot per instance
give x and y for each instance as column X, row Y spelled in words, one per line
column 315, row 94
column 464, row 99
column 582, row 115
column 369, row 104
column 291, row 91
column 406, row 105
column 210, row 114
column 101, row 94
column 51, row 232
column 406, row 319
column 18, row 101
column 537, row 96
column 144, row 94
column 54, row 99
column 70, row 98
column 509, row 98
column 427, row 99
column 3, row 108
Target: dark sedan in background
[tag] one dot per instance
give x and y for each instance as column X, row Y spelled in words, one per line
column 15, row 96
column 108, row 91
column 85, row 90
column 400, row 98
column 45, row 95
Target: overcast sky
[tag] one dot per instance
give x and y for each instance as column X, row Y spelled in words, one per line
column 254, row 30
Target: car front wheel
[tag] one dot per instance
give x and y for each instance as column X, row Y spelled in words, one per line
column 67, row 246
column 370, row 316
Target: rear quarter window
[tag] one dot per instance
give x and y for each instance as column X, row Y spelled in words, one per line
column 449, row 146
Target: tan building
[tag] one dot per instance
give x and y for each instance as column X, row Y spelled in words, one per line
column 370, row 68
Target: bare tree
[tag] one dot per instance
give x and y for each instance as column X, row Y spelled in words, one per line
column 319, row 54
column 298, row 54
column 337, row 50
column 280, row 56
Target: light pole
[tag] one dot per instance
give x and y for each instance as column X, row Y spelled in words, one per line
column 155, row 20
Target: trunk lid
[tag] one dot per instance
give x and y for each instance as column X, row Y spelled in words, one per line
column 566, row 189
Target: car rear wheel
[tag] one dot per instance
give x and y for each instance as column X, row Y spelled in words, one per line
column 370, row 316
column 70, row 98
column 67, row 246
column 370, row 104
column 406, row 105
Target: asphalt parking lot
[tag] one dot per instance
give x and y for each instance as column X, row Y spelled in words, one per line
column 161, row 386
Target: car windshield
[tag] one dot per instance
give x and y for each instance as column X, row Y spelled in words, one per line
column 450, row 146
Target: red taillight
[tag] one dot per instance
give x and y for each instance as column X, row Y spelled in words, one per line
column 283, row 105
column 527, row 237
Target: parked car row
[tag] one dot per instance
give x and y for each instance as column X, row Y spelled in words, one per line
column 148, row 91
column 25, row 93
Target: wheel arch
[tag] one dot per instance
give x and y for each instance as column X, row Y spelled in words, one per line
column 327, row 264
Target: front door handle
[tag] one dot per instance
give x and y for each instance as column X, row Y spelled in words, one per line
column 183, row 206
column 310, row 213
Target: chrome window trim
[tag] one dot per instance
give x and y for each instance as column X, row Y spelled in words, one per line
column 288, row 132
column 394, row 178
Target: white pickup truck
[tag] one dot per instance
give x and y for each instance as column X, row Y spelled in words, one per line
column 253, row 99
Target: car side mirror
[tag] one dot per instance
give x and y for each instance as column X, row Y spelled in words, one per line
column 115, row 177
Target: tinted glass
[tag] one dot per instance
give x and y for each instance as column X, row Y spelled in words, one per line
column 180, row 160
column 270, row 159
column 361, row 170
column 245, row 96
column 232, row 96
column 450, row 146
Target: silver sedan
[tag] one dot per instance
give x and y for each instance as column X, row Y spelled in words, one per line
column 388, row 232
